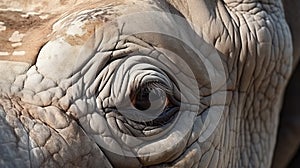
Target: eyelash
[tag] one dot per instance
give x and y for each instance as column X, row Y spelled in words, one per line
column 154, row 84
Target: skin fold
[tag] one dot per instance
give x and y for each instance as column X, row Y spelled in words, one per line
column 77, row 78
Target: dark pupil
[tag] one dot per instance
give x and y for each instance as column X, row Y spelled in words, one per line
column 141, row 99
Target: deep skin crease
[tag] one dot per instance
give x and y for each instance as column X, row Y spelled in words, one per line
column 57, row 103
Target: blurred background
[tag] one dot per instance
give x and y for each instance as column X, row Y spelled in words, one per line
column 289, row 127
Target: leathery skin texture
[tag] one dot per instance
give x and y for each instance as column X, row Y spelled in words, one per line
column 142, row 83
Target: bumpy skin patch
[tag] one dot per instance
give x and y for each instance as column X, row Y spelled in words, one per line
column 65, row 105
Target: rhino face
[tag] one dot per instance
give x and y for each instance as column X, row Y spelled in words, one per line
column 134, row 84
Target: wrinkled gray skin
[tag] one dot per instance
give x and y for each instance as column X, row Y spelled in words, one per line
column 56, row 111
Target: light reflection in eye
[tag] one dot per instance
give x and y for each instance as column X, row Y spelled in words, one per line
column 149, row 97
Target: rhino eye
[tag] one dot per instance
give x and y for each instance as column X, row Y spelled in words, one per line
column 153, row 103
column 146, row 97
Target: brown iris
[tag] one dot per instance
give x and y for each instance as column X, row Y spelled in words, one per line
column 148, row 96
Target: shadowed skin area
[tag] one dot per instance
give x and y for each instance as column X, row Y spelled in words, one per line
column 122, row 84
column 288, row 132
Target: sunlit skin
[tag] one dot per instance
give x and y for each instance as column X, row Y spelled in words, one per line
column 137, row 83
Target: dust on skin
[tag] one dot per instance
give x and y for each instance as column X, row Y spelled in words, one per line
column 23, row 36
column 36, row 27
column 89, row 30
column 84, row 26
column 2, row 27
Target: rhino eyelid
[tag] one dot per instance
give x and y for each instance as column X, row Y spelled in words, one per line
column 155, row 84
